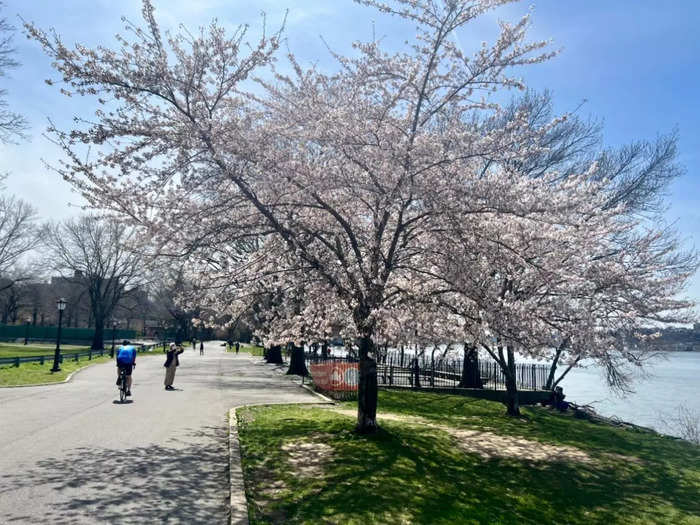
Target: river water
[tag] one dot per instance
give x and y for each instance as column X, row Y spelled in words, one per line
column 669, row 381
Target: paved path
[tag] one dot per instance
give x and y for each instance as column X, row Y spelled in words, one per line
column 71, row 453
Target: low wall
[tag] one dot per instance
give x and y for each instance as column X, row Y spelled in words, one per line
column 525, row 397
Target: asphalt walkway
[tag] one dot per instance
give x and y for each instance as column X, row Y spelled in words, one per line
column 70, row 453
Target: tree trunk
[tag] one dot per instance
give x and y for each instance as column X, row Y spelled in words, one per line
column 512, row 402
column 553, row 368
column 471, row 375
column 297, row 362
column 274, row 355
column 98, row 338
column 367, row 390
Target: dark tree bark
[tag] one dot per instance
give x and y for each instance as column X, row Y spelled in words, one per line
column 99, row 335
column 415, row 373
column 274, row 355
column 297, row 362
column 367, row 391
column 512, row 402
column 471, row 376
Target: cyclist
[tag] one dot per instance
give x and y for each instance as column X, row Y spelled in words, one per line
column 126, row 359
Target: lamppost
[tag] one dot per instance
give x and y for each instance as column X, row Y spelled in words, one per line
column 114, row 327
column 28, row 321
column 61, row 305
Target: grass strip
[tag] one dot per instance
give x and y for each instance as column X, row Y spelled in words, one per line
column 427, row 465
column 246, row 347
column 30, row 350
column 35, row 373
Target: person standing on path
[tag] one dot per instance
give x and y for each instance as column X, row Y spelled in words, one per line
column 238, row 345
column 201, row 348
column 171, row 364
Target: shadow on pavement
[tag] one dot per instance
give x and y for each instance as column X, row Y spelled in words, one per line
column 187, row 483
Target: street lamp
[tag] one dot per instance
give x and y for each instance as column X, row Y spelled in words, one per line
column 28, row 321
column 61, row 305
column 114, row 327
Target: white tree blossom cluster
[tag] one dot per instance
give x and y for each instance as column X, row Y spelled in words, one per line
column 393, row 198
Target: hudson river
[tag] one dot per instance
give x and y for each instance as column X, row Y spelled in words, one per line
column 670, row 381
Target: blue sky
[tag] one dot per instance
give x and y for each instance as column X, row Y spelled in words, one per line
column 635, row 62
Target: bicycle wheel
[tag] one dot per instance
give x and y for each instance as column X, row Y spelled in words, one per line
column 122, row 388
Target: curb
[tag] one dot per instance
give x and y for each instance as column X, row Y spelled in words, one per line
column 238, row 503
column 66, row 380
column 318, row 394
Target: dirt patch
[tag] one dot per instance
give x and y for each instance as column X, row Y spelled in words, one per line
column 308, row 458
column 267, row 490
column 490, row 444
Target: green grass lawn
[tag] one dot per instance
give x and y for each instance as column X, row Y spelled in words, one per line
column 14, row 349
column 34, row 373
column 451, row 459
column 251, row 349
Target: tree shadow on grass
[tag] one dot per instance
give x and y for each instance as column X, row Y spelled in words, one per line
column 417, row 474
column 185, row 481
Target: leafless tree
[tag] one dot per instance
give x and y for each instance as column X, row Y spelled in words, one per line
column 18, row 233
column 173, row 297
column 99, row 255
column 12, row 125
column 685, row 422
column 641, row 171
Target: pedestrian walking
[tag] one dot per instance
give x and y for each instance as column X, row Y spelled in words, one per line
column 194, row 344
column 171, row 364
column 238, row 346
column 201, row 348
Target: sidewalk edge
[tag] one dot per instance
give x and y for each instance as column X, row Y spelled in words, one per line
column 238, row 503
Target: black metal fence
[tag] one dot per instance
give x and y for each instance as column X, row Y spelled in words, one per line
column 71, row 356
column 405, row 370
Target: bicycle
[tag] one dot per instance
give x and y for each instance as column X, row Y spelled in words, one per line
column 122, row 385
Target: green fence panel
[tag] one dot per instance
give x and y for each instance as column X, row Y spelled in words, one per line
column 67, row 334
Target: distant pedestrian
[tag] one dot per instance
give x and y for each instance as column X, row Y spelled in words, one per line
column 194, row 344
column 238, row 345
column 201, row 348
column 171, row 364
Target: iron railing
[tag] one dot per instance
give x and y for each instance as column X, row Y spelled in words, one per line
column 406, row 370
column 69, row 356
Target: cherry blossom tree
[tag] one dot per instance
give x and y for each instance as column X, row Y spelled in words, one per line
column 335, row 166
column 553, row 271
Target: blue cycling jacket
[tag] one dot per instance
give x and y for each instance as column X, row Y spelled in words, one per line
column 126, row 355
